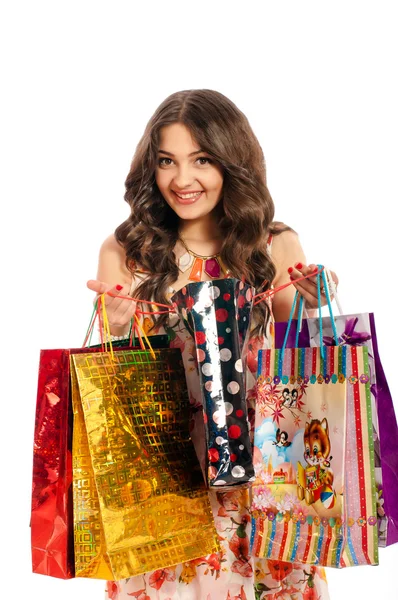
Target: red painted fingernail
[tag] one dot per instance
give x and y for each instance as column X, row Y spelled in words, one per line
column 119, row 287
column 298, row 265
column 290, row 270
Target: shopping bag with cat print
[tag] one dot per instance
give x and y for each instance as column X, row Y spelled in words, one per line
column 359, row 329
column 308, row 469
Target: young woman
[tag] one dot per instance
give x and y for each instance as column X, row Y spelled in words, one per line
column 197, row 189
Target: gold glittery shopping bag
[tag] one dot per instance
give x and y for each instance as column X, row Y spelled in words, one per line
column 139, row 497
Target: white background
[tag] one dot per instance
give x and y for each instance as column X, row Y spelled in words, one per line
column 80, row 80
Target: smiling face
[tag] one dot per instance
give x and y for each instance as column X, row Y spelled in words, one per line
column 316, row 442
column 182, row 168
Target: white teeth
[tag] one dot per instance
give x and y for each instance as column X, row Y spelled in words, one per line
column 183, row 196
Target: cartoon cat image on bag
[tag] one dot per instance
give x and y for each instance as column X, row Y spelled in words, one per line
column 316, row 480
column 317, row 446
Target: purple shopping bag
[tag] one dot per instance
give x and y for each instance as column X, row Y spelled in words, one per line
column 359, row 330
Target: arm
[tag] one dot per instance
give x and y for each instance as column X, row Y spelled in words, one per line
column 111, row 263
column 111, row 272
column 286, row 252
column 288, row 255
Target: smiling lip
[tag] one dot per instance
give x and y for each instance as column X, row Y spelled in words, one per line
column 188, row 200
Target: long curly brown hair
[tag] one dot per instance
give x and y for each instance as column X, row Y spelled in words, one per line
column 246, row 208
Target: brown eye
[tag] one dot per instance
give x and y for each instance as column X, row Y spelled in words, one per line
column 160, row 160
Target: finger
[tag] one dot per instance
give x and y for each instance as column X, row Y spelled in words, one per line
column 307, row 270
column 310, row 283
column 299, row 269
column 112, row 303
column 97, row 286
column 307, row 287
column 120, row 310
column 314, row 268
column 101, row 288
column 310, row 297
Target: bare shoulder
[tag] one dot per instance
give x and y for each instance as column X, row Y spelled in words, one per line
column 286, row 251
column 112, row 262
column 110, row 244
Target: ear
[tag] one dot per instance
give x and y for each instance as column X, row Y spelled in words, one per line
column 307, row 428
column 325, row 426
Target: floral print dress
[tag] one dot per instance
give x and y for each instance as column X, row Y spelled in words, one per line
column 230, row 574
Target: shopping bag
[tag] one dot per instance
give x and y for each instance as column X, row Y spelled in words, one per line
column 218, row 314
column 51, row 522
column 140, row 502
column 359, row 329
column 51, row 508
column 313, row 500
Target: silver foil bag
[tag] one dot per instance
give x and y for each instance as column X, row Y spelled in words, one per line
column 218, row 315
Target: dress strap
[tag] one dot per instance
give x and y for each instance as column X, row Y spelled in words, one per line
column 269, row 248
column 133, row 286
column 269, row 243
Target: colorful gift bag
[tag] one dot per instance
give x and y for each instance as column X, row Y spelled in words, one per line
column 300, row 453
column 140, row 502
column 360, row 330
column 51, row 508
column 218, row 314
column 314, row 500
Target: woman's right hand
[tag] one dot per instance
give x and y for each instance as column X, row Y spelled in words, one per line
column 120, row 311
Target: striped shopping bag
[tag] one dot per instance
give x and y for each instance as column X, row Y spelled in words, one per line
column 313, row 448
column 314, row 497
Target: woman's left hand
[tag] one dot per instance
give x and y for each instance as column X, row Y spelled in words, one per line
column 307, row 287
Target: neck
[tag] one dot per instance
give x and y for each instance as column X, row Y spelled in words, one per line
column 200, row 230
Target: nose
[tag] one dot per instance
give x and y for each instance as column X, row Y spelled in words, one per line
column 183, row 178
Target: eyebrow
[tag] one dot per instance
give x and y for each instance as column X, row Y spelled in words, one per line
column 171, row 154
